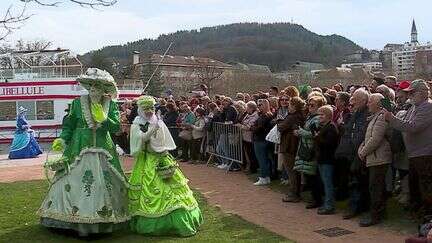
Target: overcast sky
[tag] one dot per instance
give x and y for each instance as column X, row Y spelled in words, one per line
column 369, row 23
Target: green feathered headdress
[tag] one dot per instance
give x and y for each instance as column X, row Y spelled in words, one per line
column 146, row 103
column 304, row 90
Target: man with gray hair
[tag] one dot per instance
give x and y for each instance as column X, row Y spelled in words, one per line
column 353, row 134
column 416, row 127
column 391, row 82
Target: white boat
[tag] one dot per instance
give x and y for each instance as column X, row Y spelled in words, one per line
column 44, row 82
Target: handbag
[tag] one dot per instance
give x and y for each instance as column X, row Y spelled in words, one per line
column 273, row 136
column 185, row 134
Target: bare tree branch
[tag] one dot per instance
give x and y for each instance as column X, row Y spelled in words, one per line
column 87, row 3
column 11, row 21
column 54, row 4
column 207, row 72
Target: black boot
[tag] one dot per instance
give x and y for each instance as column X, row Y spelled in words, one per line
column 312, row 205
column 369, row 221
column 350, row 214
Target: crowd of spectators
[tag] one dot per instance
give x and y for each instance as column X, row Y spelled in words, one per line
column 361, row 143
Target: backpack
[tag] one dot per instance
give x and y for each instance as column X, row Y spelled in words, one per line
column 395, row 139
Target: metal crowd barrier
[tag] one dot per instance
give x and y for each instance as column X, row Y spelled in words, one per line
column 224, row 141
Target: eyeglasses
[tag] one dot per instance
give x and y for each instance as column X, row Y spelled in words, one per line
column 312, row 105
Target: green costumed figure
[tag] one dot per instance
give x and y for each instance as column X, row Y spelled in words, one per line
column 160, row 201
column 88, row 193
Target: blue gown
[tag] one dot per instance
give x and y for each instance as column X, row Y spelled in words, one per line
column 24, row 145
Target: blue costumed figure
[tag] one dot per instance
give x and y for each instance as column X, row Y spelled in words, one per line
column 24, row 144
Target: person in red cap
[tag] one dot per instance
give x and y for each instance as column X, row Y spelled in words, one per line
column 402, row 97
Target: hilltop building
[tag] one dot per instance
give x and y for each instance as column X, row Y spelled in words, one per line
column 368, row 66
column 404, row 57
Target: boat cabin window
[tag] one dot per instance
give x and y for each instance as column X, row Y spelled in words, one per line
column 8, row 111
column 45, row 110
column 37, row 110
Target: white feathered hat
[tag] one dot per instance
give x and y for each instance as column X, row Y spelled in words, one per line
column 100, row 79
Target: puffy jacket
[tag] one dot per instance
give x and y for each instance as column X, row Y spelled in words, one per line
column 376, row 148
column 306, row 135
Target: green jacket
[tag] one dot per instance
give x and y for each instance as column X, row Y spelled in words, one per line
column 307, row 139
column 77, row 130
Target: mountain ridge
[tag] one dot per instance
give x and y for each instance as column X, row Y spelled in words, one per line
column 277, row 45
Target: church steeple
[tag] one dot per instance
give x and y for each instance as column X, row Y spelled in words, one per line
column 414, row 33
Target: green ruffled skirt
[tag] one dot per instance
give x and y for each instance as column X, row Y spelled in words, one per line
column 161, row 204
column 179, row 222
column 90, row 198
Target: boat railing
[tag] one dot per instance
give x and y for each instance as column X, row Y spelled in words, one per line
column 40, row 72
column 137, row 86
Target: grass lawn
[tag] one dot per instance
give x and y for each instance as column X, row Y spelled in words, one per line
column 396, row 219
column 19, row 223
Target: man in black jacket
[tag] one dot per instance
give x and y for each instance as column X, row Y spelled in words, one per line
column 353, row 135
column 228, row 116
column 229, row 113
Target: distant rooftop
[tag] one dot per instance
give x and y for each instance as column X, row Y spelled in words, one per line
column 182, row 61
column 251, row 67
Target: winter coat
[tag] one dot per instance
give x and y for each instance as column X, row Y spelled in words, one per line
column 417, row 129
column 376, row 147
column 352, row 135
column 289, row 142
column 326, row 143
column 261, row 127
column 170, row 118
column 306, row 135
column 229, row 114
column 248, row 121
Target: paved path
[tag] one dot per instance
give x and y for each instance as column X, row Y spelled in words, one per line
column 31, row 169
column 234, row 193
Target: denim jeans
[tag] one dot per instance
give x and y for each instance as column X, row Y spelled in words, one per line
column 262, row 154
column 326, row 172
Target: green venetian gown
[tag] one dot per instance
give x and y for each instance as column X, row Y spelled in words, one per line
column 90, row 194
column 160, row 200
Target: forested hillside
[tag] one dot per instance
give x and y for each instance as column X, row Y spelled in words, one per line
column 277, row 45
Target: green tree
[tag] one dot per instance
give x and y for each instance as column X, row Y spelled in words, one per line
column 156, row 85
